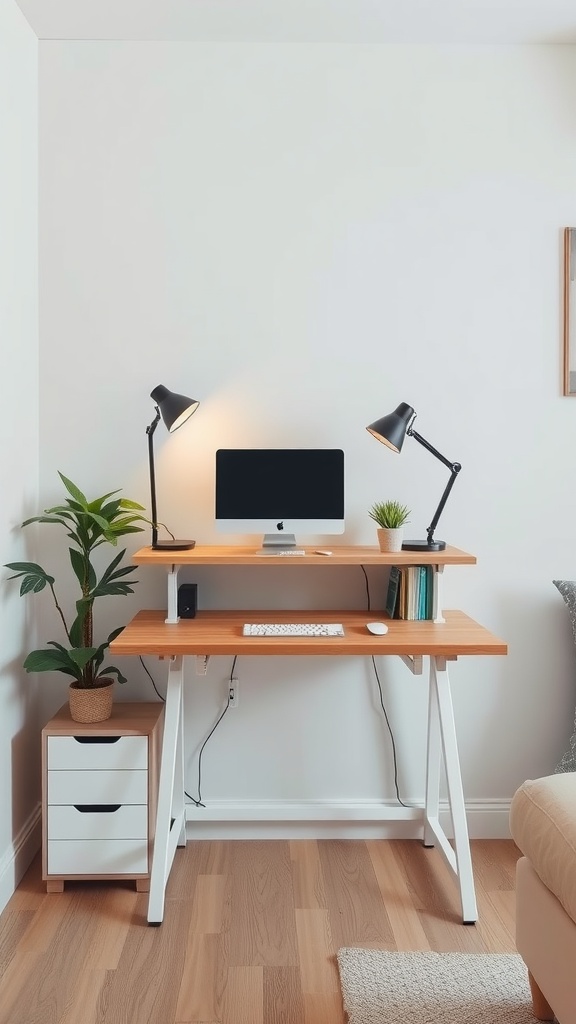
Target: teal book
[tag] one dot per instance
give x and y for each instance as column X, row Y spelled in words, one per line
column 429, row 602
column 423, row 593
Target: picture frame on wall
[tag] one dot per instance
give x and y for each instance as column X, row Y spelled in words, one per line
column 569, row 362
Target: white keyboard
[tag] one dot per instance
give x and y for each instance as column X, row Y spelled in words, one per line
column 293, row 629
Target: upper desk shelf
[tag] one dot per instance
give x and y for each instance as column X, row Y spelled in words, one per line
column 342, row 554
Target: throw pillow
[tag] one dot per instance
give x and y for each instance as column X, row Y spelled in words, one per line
column 567, row 588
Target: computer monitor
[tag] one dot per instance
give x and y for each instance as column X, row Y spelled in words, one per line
column 280, row 492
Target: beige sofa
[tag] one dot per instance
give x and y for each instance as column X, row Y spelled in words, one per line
column 543, row 826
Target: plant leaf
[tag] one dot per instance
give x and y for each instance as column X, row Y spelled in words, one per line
column 73, row 490
column 126, row 503
column 32, row 585
column 82, row 655
column 21, row 567
column 83, row 608
column 96, row 505
column 111, row 567
column 111, row 670
column 51, row 661
column 47, row 518
column 35, row 578
column 100, row 521
column 82, row 569
column 125, row 520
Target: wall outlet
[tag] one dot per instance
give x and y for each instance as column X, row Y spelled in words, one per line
column 233, row 694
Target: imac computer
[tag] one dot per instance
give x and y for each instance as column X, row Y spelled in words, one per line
column 279, row 492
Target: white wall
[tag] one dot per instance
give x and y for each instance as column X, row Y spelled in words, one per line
column 302, row 236
column 19, row 718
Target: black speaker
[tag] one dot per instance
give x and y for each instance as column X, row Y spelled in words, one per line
column 187, row 597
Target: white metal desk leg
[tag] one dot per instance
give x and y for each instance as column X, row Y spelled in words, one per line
column 170, row 823
column 440, row 681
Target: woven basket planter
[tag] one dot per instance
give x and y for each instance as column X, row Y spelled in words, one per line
column 93, row 704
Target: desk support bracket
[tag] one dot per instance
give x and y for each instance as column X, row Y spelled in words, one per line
column 172, row 616
column 171, row 812
column 413, row 662
column 442, row 743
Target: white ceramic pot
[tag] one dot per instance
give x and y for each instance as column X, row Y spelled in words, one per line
column 390, row 540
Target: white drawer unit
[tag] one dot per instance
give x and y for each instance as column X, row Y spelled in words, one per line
column 92, row 787
column 97, row 821
column 99, row 791
column 98, row 752
column 99, row 857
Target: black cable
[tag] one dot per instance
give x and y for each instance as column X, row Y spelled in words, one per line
column 394, row 757
column 398, row 797
column 163, row 699
column 367, row 587
column 196, row 802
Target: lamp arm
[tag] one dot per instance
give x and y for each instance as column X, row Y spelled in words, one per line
column 426, row 444
column 150, row 431
column 454, row 468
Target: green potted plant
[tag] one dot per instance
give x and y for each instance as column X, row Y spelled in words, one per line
column 390, row 517
column 89, row 525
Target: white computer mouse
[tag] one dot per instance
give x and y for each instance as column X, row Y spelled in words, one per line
column 378, row 628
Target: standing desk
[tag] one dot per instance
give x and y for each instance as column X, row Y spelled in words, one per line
column 446, row 637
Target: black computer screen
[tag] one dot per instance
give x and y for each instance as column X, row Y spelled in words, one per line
column 297, row 484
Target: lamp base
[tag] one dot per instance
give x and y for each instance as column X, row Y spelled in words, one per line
column 423, row 545
column 173, row 545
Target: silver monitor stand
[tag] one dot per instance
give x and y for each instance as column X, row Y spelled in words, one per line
column 274, row 542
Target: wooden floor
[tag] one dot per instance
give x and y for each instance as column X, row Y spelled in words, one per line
column 249, row 936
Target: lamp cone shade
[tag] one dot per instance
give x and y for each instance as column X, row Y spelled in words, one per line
column 174, row 409
column 391, row 429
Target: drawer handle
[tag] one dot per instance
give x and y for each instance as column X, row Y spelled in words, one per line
column 96, row 739
column 97, row 808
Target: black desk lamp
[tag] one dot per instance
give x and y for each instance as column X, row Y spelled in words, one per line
column 175, row 410
column 392, row 430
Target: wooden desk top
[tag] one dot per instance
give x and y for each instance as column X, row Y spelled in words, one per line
column 220, row 632
column 341, row 555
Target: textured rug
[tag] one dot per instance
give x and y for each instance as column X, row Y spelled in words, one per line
column 434, row 988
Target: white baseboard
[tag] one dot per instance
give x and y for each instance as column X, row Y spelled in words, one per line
column 487, row 819
column 17, row 858
column 238, row 819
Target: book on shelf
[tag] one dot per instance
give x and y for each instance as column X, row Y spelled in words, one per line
column 393, row 592
column 410, row 592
